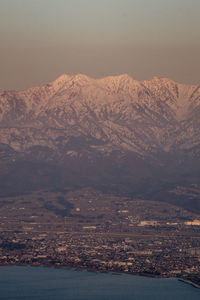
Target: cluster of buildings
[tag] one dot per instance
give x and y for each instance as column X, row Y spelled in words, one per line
column 87, row 230
column 151, row 255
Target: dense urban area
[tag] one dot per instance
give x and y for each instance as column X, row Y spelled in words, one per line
column 86, row 229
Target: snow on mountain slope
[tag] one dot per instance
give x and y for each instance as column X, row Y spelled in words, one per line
column 118, row 112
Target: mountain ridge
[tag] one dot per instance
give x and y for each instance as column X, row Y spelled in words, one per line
column 113, row 99
column 110, row 131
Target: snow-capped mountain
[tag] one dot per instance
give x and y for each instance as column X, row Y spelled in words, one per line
column 158, row 115
column 81, row 123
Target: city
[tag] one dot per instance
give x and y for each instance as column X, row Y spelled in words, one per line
column 86, row 229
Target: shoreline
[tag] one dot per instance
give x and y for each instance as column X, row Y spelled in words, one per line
column 113, row 272
column 197, row 286
column 79, row 268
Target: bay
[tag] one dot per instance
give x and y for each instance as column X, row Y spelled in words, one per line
column 42, row 283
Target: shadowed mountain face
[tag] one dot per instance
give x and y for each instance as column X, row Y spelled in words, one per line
column 115, row 134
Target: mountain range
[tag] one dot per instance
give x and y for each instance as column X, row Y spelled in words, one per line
column 116, row 134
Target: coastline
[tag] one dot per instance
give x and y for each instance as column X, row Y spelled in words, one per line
column 113, row 272
column 197, row 286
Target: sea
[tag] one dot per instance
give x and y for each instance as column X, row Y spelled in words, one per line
column 44, row 283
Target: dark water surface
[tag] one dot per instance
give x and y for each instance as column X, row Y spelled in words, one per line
column 42, row 283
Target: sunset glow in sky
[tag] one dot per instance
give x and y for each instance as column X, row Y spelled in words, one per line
column 41, row 39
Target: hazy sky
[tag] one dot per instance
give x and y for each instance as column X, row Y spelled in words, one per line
column 41, row 39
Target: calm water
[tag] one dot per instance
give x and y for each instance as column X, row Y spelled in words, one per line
column 58, row 284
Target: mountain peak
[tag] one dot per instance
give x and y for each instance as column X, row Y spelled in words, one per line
column 125, row 76
column 118, row 77
column 63, row 77
column 162, row 80
column 60, row 81
column 81, row 77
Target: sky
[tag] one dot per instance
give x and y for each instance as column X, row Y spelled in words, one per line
column 42, row 39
